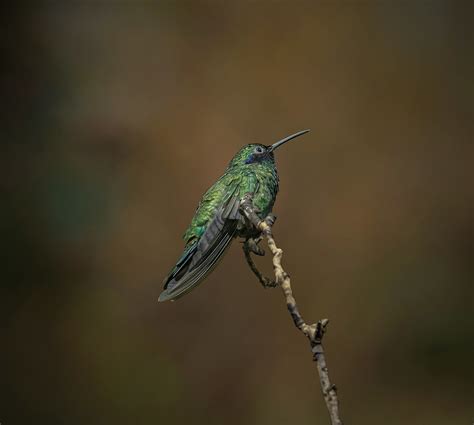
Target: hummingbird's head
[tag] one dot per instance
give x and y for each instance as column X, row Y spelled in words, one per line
column 256, row 153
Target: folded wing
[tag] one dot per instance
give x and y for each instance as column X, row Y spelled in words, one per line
column 201, row 255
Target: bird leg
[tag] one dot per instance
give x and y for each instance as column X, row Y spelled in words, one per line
column 270, row 220
column 252, row 245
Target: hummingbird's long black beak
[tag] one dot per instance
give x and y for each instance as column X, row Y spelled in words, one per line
column 286, row 139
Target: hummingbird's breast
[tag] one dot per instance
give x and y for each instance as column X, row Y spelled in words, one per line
column 267, row 190
column 263, row 182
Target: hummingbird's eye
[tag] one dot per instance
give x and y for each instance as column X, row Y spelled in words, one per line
column 258, row 149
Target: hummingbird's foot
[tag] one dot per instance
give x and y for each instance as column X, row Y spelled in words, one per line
column 251, row 244
column 268, row 283
column 270, row 219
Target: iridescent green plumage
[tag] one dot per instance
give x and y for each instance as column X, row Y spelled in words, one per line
column 217, row 219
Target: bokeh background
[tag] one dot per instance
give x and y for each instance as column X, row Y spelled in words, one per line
column 117, row 115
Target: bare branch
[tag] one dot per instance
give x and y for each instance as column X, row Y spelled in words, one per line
column 314, row 332
column 265, row 281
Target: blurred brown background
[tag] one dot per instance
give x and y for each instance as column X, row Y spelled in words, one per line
column 116, row 118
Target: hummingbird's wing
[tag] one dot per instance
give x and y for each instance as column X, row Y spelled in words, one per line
column 202, row 254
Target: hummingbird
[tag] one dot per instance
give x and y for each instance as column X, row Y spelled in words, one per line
column 217, row 220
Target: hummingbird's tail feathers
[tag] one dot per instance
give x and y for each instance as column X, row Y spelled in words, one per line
column 176, row 288
column 182, row 265
column 200, row 258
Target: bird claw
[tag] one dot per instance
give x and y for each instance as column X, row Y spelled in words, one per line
column 270, row 219
column 252, row 246
column 268, row 283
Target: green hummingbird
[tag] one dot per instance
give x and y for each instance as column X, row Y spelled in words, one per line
column 218, row 221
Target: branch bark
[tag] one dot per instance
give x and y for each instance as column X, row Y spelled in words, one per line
column 314, row 332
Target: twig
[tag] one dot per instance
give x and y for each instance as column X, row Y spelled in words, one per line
column 314, row 332
column 265, row 281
